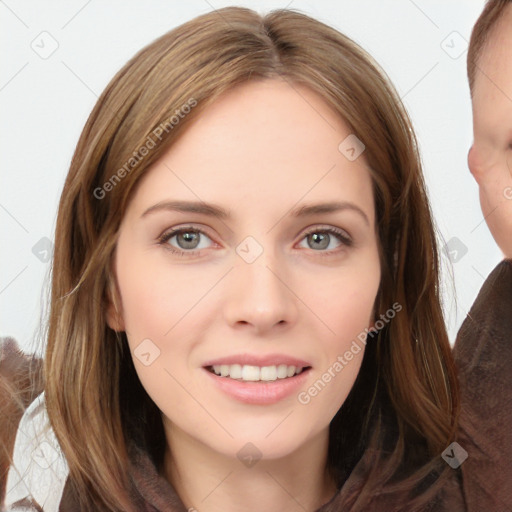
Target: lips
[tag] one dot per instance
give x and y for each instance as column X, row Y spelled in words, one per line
column 260, row 392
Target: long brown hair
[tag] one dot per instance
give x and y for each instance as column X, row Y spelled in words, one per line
column 408, row 375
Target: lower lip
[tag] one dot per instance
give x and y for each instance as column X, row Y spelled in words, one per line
column 260, row 393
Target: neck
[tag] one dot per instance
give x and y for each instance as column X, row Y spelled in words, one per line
column 209, row 481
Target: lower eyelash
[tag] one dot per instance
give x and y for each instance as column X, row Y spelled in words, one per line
column 178, row 252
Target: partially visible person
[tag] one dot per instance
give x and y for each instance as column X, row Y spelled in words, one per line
column 20, row 383
column 489, row 67
column 489, row 63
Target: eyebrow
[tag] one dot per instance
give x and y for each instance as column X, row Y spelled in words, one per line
column 218, row 212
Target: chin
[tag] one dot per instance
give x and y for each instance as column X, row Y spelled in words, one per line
column 257, row 442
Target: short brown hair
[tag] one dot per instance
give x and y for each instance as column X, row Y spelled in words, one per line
column 480, row 34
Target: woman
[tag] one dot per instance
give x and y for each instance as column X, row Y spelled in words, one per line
column 245, row 310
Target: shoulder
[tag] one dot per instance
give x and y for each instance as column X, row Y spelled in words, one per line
column 39, row 468
column 483, row 355
column 31, row 457
column 19, row 385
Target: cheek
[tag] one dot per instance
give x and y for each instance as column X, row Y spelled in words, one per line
column 346, row 307
column 349, row 306
column 158, row 308
column 147, row 302
column 347, row 301
column 155, row 294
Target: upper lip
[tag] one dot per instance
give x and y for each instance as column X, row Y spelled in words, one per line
column 259, row 360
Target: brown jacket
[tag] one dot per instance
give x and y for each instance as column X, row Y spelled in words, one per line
column 480, row 483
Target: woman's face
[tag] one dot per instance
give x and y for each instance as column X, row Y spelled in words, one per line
column 252, row 242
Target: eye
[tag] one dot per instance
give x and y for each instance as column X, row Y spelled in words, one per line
column 320, row 239
column 189, row 240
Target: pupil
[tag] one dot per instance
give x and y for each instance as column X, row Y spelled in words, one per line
column 322, row 238
column 189, row 239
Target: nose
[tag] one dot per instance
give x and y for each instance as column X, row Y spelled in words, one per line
column 260, row 296
column 471, row 158
column 481, row 157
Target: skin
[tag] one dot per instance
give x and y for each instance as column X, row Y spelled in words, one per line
column 490, row 157
column 259, row 151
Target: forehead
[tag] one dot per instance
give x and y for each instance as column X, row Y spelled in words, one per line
column 263, row 144
column 492, row 94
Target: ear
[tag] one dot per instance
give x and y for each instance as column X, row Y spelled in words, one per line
column 114, row 312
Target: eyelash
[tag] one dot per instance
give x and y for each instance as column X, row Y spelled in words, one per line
column 165, row 237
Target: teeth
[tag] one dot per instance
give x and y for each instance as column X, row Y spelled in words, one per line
column 234, row 371
column 256, row 373
column 268, row 373
column 282, row 371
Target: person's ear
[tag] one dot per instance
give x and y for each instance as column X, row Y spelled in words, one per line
column 114, row 315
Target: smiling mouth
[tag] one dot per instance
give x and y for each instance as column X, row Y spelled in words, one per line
column 250, row 373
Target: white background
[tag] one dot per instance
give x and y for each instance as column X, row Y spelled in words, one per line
column 45, row 103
